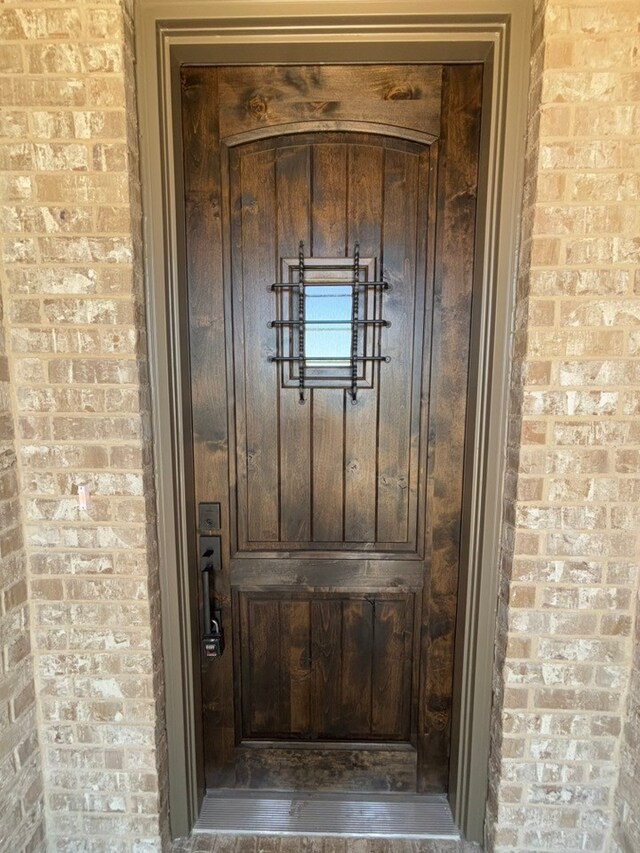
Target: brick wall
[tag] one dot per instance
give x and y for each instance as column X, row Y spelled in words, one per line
column 627, row 803
column 565, row 719
column 21, row 795
column 570, row 573
column 70, row 227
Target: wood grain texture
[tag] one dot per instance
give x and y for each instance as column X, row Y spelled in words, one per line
column 457, row 189
column 391, row 667
column 310, row 572
column 293, row 174
column 205, row 310
column 326, row 666
column 365, row 200
column 356, row 665
column 329, row 231
column 341, row 523
column 329, row 473
column 296, row 646
column 255, row 266
column 317, row 769
column 404, row 96
column 395, row 395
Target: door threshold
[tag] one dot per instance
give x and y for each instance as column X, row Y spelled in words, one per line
column 379, row 815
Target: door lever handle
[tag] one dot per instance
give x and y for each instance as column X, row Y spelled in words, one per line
column 213, row 636
column 210, row 560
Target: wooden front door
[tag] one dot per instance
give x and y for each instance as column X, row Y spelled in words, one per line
column 328, row 412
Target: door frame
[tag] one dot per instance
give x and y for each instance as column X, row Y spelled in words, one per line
column 495, row 33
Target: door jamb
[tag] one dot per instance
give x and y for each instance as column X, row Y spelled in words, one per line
column 494, row 32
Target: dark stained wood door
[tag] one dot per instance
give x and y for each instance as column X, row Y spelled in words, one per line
column 340, row 518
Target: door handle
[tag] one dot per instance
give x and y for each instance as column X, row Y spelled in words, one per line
column 210, row 560
column 213, row 637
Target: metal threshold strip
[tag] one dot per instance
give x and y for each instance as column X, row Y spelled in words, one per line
column 389, row 816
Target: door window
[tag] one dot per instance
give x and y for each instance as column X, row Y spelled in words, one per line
column 327, row 325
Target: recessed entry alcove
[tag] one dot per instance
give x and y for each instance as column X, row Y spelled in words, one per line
column 374, row 158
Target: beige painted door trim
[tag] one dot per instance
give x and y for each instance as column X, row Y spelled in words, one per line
column 495, row 32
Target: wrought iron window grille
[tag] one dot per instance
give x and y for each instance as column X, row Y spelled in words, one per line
column 305, row 337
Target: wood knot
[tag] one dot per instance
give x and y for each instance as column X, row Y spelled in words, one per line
column 320, row 107
column 257, row 106
column 401, row 92
column 439, row 721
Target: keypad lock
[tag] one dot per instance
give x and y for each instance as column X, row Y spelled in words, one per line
column 214, row 641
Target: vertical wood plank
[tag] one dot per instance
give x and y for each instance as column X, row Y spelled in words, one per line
column 279, row 646
column 423, row 322
column 329, row 234
column 255, row 269
column 299, row 655
column 366, row 164
column 391, row 654
column 208, row 388
column 357, row 650
column 264, row 676
column 293, row 167
column 329, row 209
column 424, row 330
column 326, row 650
column 327, row 414
column 200, row 129
column 395, row 412
column 457, row 189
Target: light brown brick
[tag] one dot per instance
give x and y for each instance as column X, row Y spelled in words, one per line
column 67, row 139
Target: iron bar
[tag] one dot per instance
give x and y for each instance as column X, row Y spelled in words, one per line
column 300, row 322
column 354, row 323
column 274, row 323
column 301, row 309
column 293, row 285
column 328, row 359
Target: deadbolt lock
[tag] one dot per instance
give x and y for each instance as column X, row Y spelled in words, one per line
column 208, row 516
